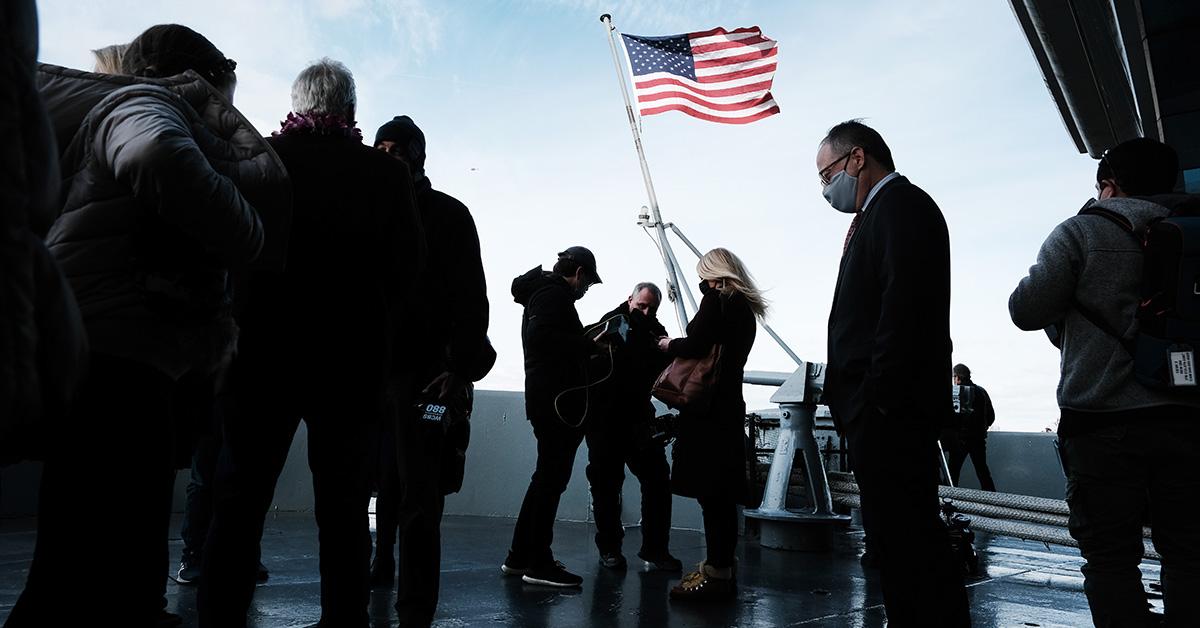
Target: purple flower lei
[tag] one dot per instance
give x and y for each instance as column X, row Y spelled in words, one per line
column 318, row 124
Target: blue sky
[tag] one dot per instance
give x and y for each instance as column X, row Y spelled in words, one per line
column 525, row 124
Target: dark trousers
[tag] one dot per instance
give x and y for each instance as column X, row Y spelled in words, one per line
column 896, row 464
column 109, row 470
column 420, row 448
column 720, row 531
column 197, row 510
column 258, row 434
column 1111, row 474
column 387, row 495
column 556, row 447
column 612, row 446
column 976, row 448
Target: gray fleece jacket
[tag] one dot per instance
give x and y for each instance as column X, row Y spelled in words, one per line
column 1089, row 260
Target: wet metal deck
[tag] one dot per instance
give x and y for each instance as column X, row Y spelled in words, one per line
column 1027, row 584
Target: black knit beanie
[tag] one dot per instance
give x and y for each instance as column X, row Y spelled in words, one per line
column 403, row 131
column 170, row 49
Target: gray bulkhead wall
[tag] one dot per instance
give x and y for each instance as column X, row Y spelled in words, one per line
column 501, row 458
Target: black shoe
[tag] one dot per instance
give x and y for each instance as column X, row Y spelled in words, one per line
column 189, row 569
column 383, row 572
column 661, row 562
column 612, row 560
column 554, row 574
column 514, row 565
column 262, row 574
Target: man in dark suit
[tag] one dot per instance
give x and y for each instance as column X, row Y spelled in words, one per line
column 889, row 369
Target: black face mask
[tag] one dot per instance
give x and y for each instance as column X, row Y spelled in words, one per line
column 705, row 288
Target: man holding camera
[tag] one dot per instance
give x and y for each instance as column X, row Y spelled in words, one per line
column 557, row 353
column 452, row 351
column 625, row 434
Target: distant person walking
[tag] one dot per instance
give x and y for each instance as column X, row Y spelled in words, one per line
column 968, row 437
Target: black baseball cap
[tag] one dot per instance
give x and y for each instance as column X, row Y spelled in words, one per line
column 580, row 255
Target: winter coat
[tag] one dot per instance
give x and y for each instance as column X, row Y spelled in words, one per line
column 556, row 351
column 709, row 455
column 452, row 312
column 889, row 326
column 43, row 348
column 637, row 362
column 160, row 176
column 1091, row 261
column 320, row 333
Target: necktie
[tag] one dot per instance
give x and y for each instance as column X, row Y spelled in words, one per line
column 850, row 233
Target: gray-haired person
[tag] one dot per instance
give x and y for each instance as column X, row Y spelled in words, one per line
column 624, row 436
column 316, row 344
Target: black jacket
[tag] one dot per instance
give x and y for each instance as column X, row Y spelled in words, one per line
column 321, row 331
column 556, row 351
column 709, row 454
column 165, row 188
column 889, row 328
column 452, row 311
column 637, row 362
column 980, row 414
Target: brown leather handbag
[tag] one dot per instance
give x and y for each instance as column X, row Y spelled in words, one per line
column 688, row 383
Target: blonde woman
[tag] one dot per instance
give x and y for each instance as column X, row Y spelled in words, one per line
column 709, row 461
column 109, row 59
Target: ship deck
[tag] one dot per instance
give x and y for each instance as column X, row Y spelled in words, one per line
column 1024, row 584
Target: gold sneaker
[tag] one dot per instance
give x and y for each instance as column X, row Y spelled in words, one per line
column 705, row 584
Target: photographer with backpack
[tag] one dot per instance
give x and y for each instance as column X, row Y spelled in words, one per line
column 973, row 416
column 1115, row 288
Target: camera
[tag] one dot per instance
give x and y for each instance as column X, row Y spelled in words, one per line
column 614, row 330
column 962, row 538
column 430, row 412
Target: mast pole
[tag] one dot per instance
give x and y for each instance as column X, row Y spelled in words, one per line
column 674, row 273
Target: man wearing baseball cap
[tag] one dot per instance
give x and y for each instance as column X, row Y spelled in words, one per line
column 556, row 401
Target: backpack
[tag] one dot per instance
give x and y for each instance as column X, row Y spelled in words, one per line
column 1168, row 315
column 966, row 399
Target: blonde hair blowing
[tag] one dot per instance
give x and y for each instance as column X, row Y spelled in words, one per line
column 109, row 59
column 722, row 265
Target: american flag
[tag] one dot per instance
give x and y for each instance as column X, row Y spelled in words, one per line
column 715, row 75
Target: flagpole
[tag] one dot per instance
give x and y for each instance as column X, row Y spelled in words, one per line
column 674, row 273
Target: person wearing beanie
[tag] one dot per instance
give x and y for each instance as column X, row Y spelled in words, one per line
column 170, row 189
column 416, row 462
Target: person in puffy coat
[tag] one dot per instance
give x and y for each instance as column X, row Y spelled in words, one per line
column 166, row 186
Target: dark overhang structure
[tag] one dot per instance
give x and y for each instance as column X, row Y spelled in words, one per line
column 1119, row 69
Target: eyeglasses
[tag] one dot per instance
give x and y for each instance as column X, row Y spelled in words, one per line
column 824, row 172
